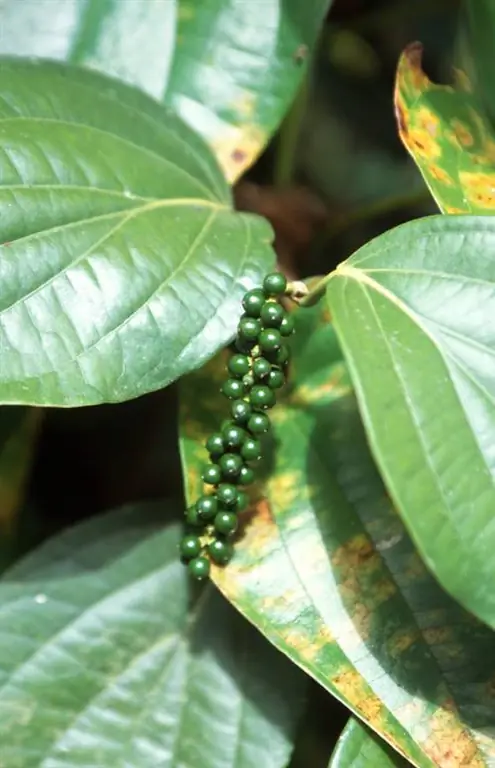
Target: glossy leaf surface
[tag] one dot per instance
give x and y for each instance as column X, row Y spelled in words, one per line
column 121, row 260
column 358, row 747
column 107, row 658
column 449, row 137
column 413, row 311
column 228, row 67
column 326, row 571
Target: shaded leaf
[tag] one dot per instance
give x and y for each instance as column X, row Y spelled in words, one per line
column 18, row 432
column 358, row 747
column 326, row 570
column 449, row 137
column 413, row 311
column 107, row 658
column 229, row 68
column 480, row 33
column 122, row 263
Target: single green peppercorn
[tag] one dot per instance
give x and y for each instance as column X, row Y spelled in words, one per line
column 241, row 411
column 258, row 423
column 261, row 367
column 280, row 356
column 238, row 366
column 192, row 517
column 207, row 507
column 244, row 346
column 272, row 314
column 274, row 284
column 262, row 397
column 227, row 495
column 287, row 326
column 276, row 379
column 251, row 450
column 220, row 551
column 248, row 381
column 246, row 476
column 214, row 445
column 212, row 474
column 253, row 301
column 225, row 522
column 233, row 389
column 242, row 501
column 270, row 340
column 199, row 568
column 190, row 546
column 230, row 464
column 249, row 328
column 233, row 436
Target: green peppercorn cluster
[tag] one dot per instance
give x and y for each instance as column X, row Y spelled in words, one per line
column 256, row 370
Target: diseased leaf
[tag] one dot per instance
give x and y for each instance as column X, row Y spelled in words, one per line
column 325, row 569
column 228, row 67
column 448, row 135
column 358, row 747
column 122, row 263
column 108, row 658
column 413, row 312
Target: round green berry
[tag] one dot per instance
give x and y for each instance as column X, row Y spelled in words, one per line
column 241, row 411
column 251, row 450
column 261, row 367
column 207, row 507
column 287, row 325
column 220, row 551
column 249, row 328
column 199, row 568
column 230, row 464
column 233, row 436
column 233, row 389
column 258, row 423
column 272, row 314
column 274, row 284
column 262, row 397
column 276, row 379
column 270, row 340
column 192, row 517
column 242, row 501
column 253, row 301
column 244, row 346
column 238, row 366
column 190, row 546
column 280, row 356
column 212, row 474
column 246, row 476
column 227, row 495
column 225, row 522
column 214, row 445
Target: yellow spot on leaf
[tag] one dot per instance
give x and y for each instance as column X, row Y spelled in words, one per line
column 462, row 133
column 449, row 744
column 285, row 488
column 237, row 150
column 479, row 187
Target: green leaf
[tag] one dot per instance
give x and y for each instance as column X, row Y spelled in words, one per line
column 108, row 658
column 18, row 433
column 358, row 747
column 448, row 135
column 480, row 33
column 122, row 263
column 228, row 67
column 413, row 312
column 325, row 569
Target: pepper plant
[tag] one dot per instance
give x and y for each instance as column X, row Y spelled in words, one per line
column 360, row 546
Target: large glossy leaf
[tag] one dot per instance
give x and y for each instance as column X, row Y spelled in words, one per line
column 122, row 263
column 358, row 747
column 413, row 311
column 449, row 136
column 228, row 67
column 326, row 570
column 107, row 658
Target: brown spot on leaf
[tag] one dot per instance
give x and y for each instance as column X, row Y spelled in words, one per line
column 449, row 744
